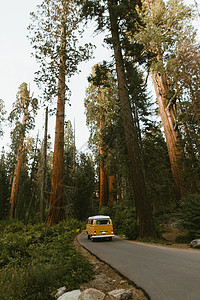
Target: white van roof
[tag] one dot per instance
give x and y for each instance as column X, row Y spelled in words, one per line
column 99, row 217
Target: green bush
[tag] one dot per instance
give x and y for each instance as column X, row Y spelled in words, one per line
column 190, row 215
column 124, row 219
column 183, row 239
column 37, row 260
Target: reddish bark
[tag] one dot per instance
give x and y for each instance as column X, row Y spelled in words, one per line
column 167, row 114
column 56, row 206
column 15, row 181
column 43, row 183
column 103, row 176
column 142, row 204
column 111, row 179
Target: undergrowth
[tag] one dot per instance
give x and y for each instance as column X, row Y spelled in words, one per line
column 36, row 260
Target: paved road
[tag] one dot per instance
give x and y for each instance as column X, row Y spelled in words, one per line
column 164, row 273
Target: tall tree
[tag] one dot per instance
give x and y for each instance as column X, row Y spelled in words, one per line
column 55, row 39
column 28, row 186
column 100, row 80
column 21, row 106
column 185, row 79
column 143, row 208
column 164, row 26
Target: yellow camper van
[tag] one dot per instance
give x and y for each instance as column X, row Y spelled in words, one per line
column 99, row 227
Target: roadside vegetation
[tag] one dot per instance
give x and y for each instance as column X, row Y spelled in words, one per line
column 36, row 260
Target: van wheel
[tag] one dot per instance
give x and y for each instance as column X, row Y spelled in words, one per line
column 93, row 240
column 110, row 238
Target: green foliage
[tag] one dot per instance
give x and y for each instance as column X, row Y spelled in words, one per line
column 48, row 21
column 36, row 260
column 2, row 113
column 123, row 217
column 190, row 214
column 160, row 186
column 20, row 107
column 162, row 27
column 126, row 223
column 4, row 187
column 84, row 185
column 106, row 107
column 79, row 178
column 184, row 239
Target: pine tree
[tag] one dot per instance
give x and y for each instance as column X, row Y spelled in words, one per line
column 21, row 106
column 100, row 81
column 84, row 199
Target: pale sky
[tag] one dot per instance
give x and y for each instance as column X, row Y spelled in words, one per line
column 17, row 66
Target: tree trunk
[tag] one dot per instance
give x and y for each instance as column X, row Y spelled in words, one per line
column 15, row 181
column 167, row 114
column 56, row 207
column 111, row 179
column 142, row 204
column 44, row 156
column 103, row 176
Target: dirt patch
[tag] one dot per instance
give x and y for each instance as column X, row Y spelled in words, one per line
column 170, row 232
column 106, row 278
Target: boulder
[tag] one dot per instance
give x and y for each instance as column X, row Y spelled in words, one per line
column 91, row 294
column 195, row 243
column 73, row 295
column 120, row 294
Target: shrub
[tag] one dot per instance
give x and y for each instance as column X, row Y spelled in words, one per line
column 183, row 239
column 124, row 219
column 37, row 260
column 190, row 215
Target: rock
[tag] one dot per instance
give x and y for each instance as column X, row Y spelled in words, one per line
column 91, row 294
column 120, row 294
column 60, row 291
column 195, row 243
column 73, row 295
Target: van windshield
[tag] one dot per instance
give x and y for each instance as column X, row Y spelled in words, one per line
column 103, row 222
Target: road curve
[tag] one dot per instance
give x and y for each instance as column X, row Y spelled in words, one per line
column 164, row 273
